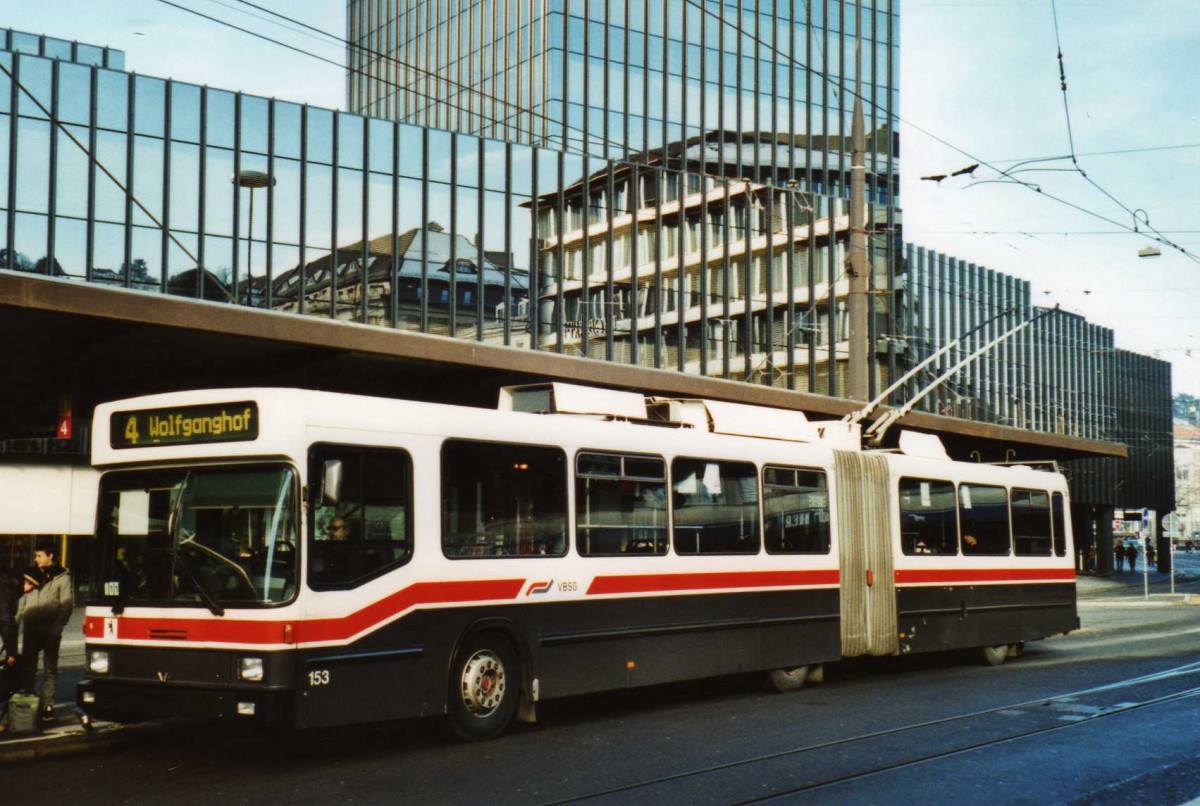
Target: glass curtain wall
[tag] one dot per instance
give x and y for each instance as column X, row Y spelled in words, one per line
column 670, row 257
column 1057, row 376
column 161, row 186
column 679, row 95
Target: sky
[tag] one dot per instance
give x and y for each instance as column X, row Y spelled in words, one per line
column 979, row 83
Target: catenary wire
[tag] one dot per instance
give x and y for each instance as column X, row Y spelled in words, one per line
column 1159, row 236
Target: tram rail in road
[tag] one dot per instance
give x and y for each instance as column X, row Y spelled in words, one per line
column 825, row 765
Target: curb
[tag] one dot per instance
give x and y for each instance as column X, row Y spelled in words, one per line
column 1155, row 600
column 59, row 742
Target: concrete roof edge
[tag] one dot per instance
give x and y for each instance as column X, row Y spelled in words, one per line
column 120, row 304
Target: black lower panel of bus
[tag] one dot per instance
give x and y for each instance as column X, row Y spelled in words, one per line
column 403, row 668
column 126, row 701
column 954, row 617
column 156, row 682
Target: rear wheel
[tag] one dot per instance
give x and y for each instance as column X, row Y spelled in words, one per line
column 789, row 680
column 484, row 684
column 993, row 655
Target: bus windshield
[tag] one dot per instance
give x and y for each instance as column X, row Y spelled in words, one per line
column 213, row 537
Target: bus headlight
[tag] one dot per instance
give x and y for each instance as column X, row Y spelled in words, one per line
column 251, row 669
column 97, row 662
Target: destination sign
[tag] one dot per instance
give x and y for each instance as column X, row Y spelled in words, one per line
column 184, row 425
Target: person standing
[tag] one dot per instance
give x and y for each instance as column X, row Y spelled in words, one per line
column 1150, row 552
column 13, row 585
column 10, row 596
column 1131, row 553
column 1119, row 555
column 44, row 612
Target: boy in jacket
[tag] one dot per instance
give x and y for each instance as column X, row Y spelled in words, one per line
column 44, row 612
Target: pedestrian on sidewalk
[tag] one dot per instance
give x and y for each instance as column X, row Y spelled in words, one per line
column 1131, row 553
column 1119, row 555
column 1150, row 554
column 44, row 612
column 11, row 589
column 13, row 585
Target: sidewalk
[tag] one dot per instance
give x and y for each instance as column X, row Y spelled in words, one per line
column 1130, row 588
column 66, row 729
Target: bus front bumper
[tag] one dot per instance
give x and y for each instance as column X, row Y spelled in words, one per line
column 119, row 701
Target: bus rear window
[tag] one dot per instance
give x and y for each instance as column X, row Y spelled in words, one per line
column 1031, row 522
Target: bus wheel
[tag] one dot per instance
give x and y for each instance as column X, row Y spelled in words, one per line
column 484, row 684
column 993, row 655
column 789, row 680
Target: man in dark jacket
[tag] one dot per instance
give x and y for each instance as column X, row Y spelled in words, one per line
column 13, row 584
column 44, row 612
column 10, row 595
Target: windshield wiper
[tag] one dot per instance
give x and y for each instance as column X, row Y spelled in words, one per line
column 205, row 596
column 174, row 527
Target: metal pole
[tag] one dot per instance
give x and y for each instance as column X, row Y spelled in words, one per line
column 249, row 249
column 1145, row 565
column 858, row 385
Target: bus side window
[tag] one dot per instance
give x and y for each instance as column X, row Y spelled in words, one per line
column 983, row 514
column 715, row 506
column 796, row 510
column 369, row 530
column 503, row 500
column 928, row 517
column 620, row 504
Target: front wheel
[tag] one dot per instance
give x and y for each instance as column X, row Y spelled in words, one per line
column 484, row 685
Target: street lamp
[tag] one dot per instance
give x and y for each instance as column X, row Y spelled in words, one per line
column 252, row 180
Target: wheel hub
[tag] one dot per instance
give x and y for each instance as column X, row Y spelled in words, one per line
column 483, row 682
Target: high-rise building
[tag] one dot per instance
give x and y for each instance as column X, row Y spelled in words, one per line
column 697, row 161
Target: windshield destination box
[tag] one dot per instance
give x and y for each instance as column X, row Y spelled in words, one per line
column 185, row 425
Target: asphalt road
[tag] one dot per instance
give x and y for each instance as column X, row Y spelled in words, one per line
column 1109, row 714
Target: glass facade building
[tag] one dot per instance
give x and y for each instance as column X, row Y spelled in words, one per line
column 667, row 258
column 699, row 220
column 614, row 78
column 1062, row 375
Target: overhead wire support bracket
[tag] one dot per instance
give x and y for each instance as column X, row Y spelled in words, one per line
column 858, row 416
column 878, row 429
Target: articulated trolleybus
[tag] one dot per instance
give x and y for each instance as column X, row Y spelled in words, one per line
column 309, row 559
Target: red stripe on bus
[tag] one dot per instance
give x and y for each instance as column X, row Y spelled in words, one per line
column 656, row 583
column 945, row 576
column 232, row 631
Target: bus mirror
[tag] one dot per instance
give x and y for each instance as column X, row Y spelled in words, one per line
column 331, row 481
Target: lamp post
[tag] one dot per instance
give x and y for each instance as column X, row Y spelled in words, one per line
column 252, row 180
